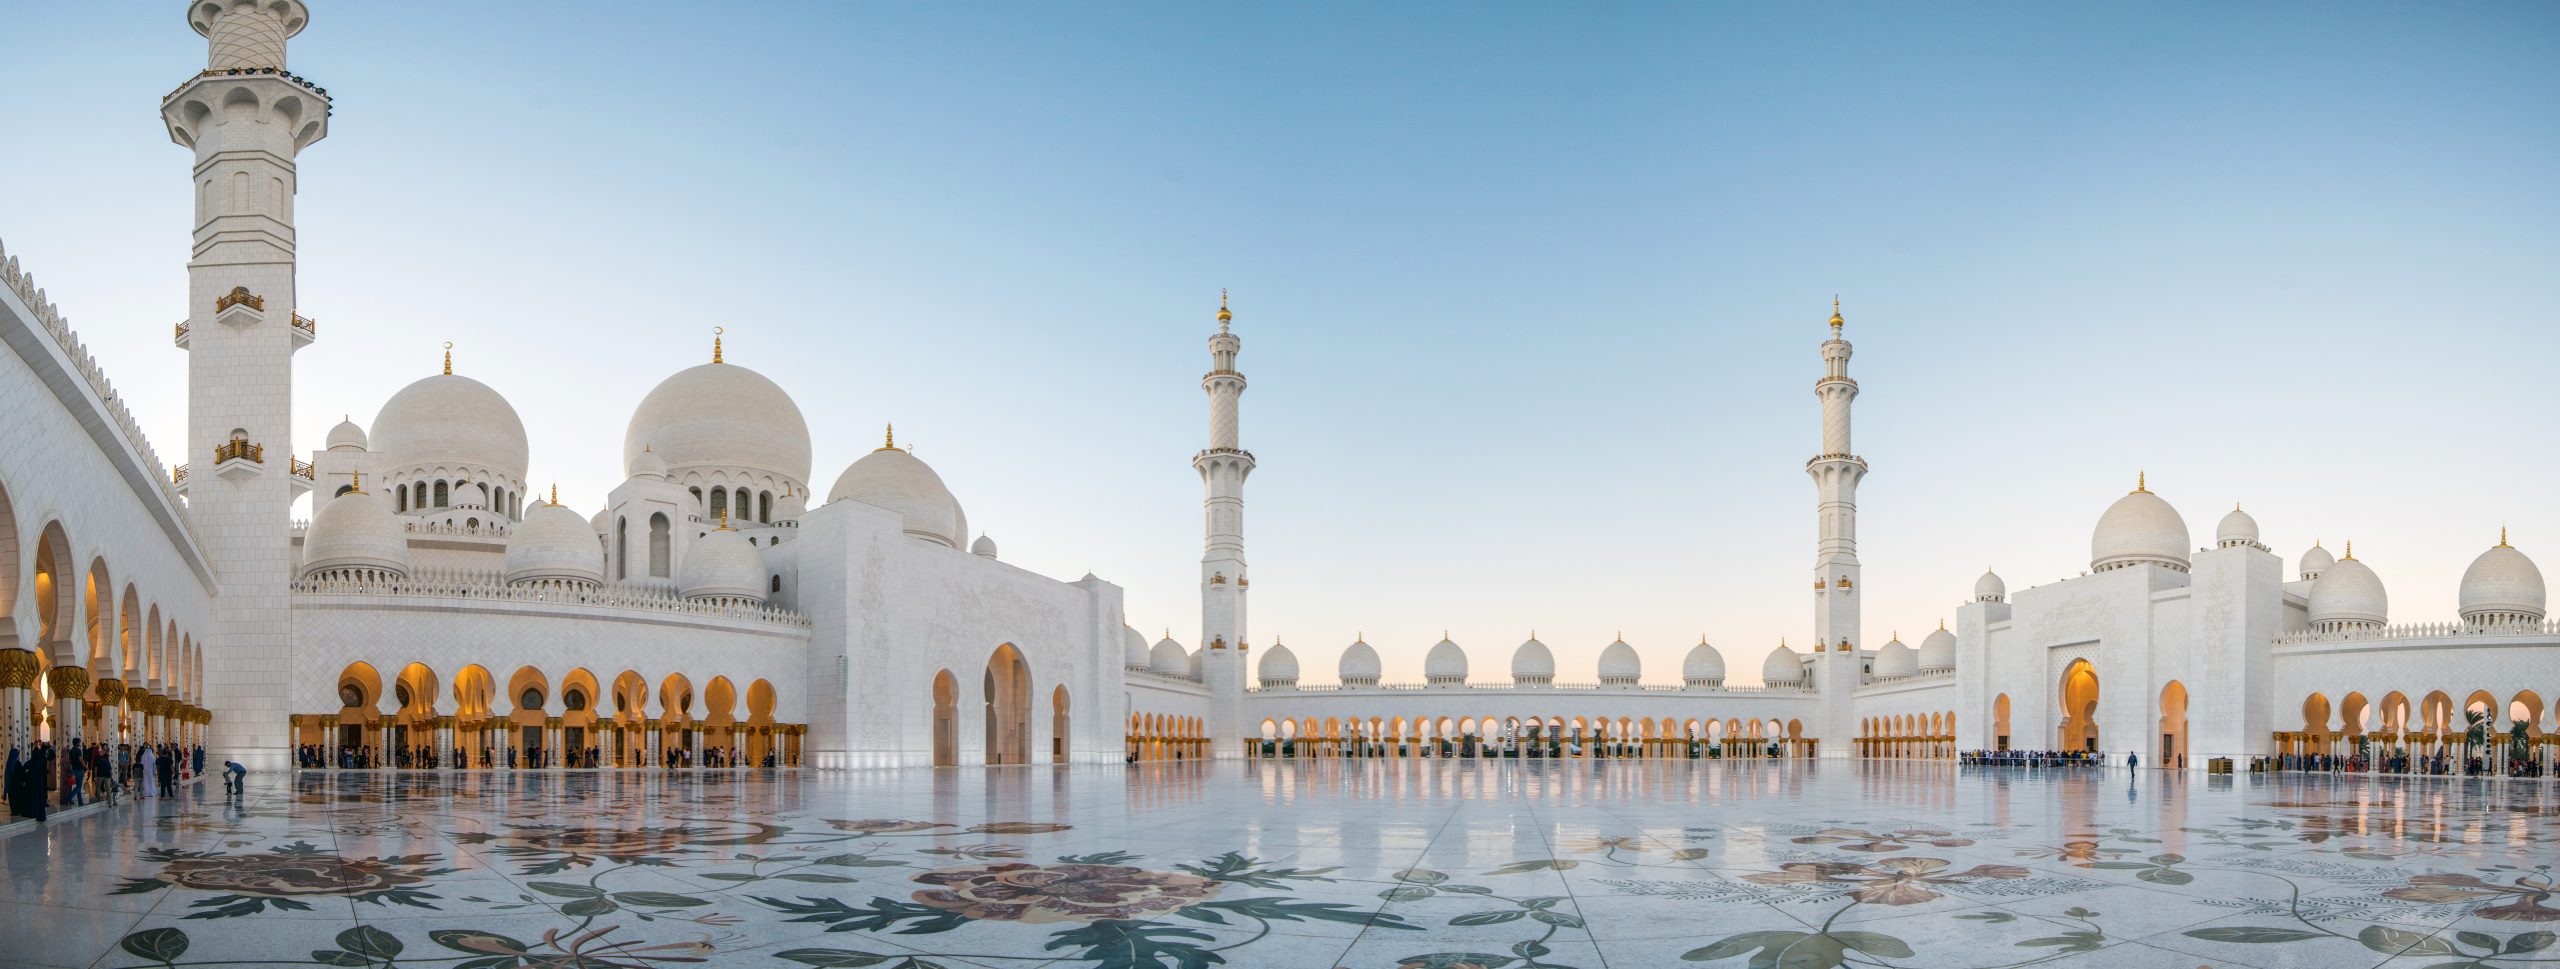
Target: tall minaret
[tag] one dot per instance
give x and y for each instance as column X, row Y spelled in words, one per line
column 1836, row 472
column 1223, row 584
column 246, row 118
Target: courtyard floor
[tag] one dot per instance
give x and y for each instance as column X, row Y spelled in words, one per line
column 1337, row 863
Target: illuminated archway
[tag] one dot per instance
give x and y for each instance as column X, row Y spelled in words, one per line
column 1007, row 691
column 946, row 719
column 2079, row 728
column 2173, row 726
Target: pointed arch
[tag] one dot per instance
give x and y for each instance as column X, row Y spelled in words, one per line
column 946, row 719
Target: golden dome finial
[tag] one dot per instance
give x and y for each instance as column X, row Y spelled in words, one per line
column 2351, row 550
column 358, row 488
column 448, row 358
column 1942, row 624
column 1223, row 315
column 555, row 492
column 724, row 518
column 715, row 342
column 2502, row 536
column 888, row 438
column 2142, row 482
column 1835, row 312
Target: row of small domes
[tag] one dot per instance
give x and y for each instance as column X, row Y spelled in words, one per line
column 357, row 532
column 1533, row 664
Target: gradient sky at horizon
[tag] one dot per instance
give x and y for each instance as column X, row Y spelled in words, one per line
column 1530, row 294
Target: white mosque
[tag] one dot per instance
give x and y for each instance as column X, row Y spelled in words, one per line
column 717, row 601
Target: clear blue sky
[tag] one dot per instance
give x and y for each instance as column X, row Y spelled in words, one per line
column 1529, row 293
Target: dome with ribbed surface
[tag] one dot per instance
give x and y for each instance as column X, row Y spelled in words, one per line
column 346, row 436
column 2139, row 529
column 2236, row 528
column 893, row 479
column 1533, row 664
column 1938, row 651
column 2348, row 595
column 1359, row 665
column 1782, row 668
column 448, row 421
column 1619, row 664
column 554, row 544
column 1896, row 659
column 355, row 532
column 1989, row 588
column 720, row 417
column 722, row 566
column 1703, row 666
column 2502, row 586
column 2316, row 561
column 1169, row 659
column 1278, row 667
column 1445, row 664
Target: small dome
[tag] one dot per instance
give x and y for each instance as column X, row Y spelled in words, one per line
column 983, row 546
column 722, row 565
column 346, row 436
column 1445, row 663
column 451, row 421
column 602, row 516
column 1989, row 588
column 720, row 417
column 1896, row 659
column 1133, row 648
column 1619, row 664
column 1191, row 662
column 554, row 543
column 2502, row 586
column 2348, row 594
column 1703, row 666
column 893, row 479
column 649, row 465
column 1782, row 668
column 2138, row 529
column 355, row 531
column 2237, row 528
column 1278, row 666
column 2317, row 561
column 1532, row 663
column 1938, row 651
column 1169, row 659
column 1359, row 665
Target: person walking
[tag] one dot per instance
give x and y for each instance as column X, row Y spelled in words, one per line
column 169, row 771
column 2132, row 760
column 150, row 770
column 232, row 777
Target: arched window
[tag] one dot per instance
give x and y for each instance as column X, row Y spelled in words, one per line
column 471, row 523
column 343, row 489
column 484, row 495
column 422, row 495
column 621, row 549
column 441, row 494
column 530, row 699
column 777, row 583
column 764, row 506
column 400, row 500
column 697, row 494
column 719, row 503
column 658, row 538
column 574, row 700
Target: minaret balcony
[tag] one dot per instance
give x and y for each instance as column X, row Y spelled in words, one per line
column 181, row 336
column 239, row 460
column 305, row 330
column 240, row 308
column 1837, row 458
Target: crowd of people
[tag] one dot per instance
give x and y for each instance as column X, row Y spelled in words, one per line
column 47, row 777
column 2451, row 761
column 2031, row 758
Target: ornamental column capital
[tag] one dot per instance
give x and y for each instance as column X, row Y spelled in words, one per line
column 18, row 669
column 69, row 682
column 110, row 691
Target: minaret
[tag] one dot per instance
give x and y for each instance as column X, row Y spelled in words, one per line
column 1223, row 468
column 247, row 119
column 1836, row 471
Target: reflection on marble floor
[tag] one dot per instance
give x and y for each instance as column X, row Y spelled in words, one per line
column 1363, row 864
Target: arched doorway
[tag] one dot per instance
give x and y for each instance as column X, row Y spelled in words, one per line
column 2000, row 723
column 2079, row 730
column 1058, row 725
column 2173, row 726
column 1007, row 691
column 946, row 720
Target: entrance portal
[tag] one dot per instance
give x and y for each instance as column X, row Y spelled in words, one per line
column 2079, row 730
column 1008, row 707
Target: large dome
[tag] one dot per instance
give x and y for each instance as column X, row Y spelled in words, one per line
column 355, row 532
column 1133, row 648
column 722, row 566
column 2502, row 586
column 1279, row 666
column 1619, row 664
column 450, row 421
column 1359, row 665
column 1445, row 663
column 720, row 417
column 1703, row 666
column 2139, row 528
column 891, row 478
column 1896, row 659
column 1533, row 664
column 2348, row 594
column 554, row 543
column 1782, row 668
column 1168, row 659
column 1938, row 651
